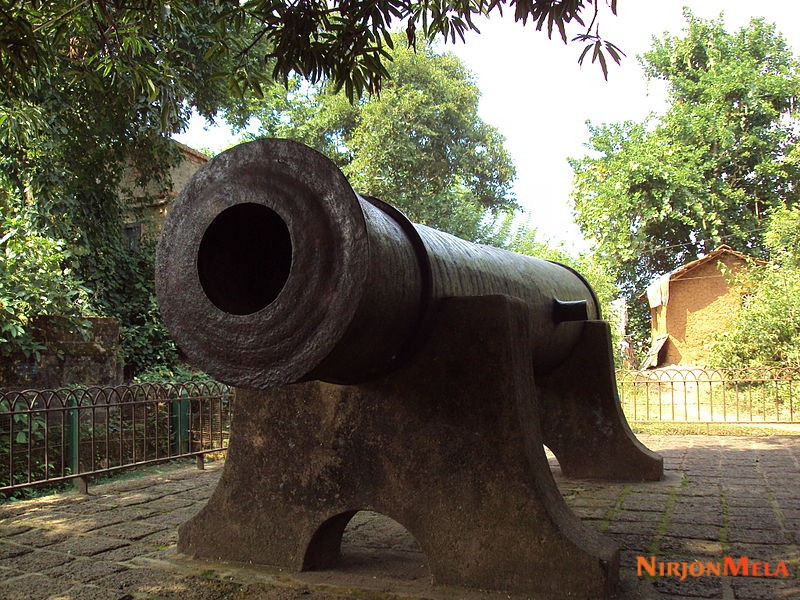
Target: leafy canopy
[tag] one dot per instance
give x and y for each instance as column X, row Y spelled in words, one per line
column 344, row 41
column 79, row 103
column 656, row 194
column 420, row 145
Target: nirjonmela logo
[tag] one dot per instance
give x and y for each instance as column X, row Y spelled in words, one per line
column 729, row 566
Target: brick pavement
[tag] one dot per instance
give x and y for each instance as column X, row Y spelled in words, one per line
column 721, row 496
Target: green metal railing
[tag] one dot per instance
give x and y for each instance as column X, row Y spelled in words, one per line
column 697, row 395
column 48, row 436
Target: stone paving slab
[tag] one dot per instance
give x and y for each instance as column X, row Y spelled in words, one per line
column 722, row 496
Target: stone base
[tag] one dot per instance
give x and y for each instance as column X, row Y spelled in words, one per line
column 581, row 418
column 449, row 446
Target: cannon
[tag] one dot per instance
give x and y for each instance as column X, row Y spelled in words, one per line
column 294, row 276
column 375, row 360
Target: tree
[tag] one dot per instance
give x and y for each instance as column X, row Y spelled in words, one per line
column 345, row 42
column 89, row 89
column 656, row 194
column 766, row 332
column 420, row 145
column 90, row 86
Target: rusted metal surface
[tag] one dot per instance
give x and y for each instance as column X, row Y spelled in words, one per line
column 271, row 270
column 428, row 372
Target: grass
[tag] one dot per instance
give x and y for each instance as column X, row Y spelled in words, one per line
column 738, row 429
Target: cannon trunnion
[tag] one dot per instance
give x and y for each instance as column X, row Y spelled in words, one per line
column 389, row 366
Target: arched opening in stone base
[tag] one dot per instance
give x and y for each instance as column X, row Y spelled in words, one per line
column 552, row 460
column 367, row 544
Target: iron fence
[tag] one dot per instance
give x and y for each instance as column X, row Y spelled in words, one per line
column 48, row 436
column 697, row 395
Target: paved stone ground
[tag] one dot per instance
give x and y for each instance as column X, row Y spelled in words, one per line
column 721, row 496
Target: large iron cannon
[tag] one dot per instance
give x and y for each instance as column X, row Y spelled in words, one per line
column 272, row 270
column 388, row 366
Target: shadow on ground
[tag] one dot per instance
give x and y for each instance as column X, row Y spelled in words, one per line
column 722, row 496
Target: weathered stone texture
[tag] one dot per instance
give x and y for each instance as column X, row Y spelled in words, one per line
column 68, row 359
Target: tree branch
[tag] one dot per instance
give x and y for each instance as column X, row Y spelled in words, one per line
column 61, row 16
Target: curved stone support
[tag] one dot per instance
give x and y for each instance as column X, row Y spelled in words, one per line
column 582, row 420
column 449, row 446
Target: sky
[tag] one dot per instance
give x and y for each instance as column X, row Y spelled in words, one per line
column 535, row 93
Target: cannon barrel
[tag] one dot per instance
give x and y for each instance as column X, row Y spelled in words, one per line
column 270, row 270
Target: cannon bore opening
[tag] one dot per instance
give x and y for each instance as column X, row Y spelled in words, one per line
column 244, row 258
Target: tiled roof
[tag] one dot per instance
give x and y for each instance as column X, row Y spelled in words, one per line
column 713, row 255
column 192, row 153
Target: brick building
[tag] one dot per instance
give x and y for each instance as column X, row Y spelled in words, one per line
column 691, row 305
column 147, row 208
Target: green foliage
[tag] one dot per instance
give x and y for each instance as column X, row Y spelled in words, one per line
column 656, row 428
column 89, row 90
column 43, row 276
column 40, row 442
column 124, row 288
column 656, row 194
column 420, row 145
column 29, row 430
column 164, row 50
column 783, row 236
column 175, row 372
column 164, row 55
column 766, row 332
column 36, row 278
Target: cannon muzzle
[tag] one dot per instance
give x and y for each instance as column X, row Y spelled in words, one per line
column 270, row 270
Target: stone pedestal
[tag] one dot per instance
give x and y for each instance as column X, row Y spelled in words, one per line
column 449, row 446
column 581, row 418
